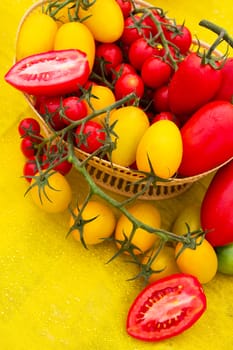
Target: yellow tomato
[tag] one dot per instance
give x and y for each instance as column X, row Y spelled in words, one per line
column 146, row 213
column 105, row 20
column 51, row 192
column 201, row 262
column 65, row 14
column 37, row 35
column 131, row 124
column 162, row 144
column 163, row 265
column 189, row 215
column 102, row 97
column 75, row 35
column 102, row 225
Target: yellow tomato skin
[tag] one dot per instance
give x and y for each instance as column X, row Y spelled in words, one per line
column 189, row 215
column 201, row 262
column 76, row 35
column 106, row 21
column 55, row 196
column 146, row 213
column 131, row 124
column 165, row 261
column 96, row 230
column 162, row 143
column 36, row 35
column 104, row 97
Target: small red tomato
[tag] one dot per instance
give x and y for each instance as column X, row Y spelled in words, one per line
column 155, row 72
column 29, row 126
column 154, row 18
column 166, row 308
column 74, row 109
column 160, row 99
column 90, row 137
column 30, row 168
column 134, row 28
column 110, row 53
column 127, row 84
column 122, row 69
column 125, row 6
column 29, row 145
column 166, row 116
column 139, row 51
column 53, row 157
column 180, row 36
column 49, row 108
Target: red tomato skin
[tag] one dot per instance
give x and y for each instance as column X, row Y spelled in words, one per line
column 155, row 72
column 111, row 53
column 192, row 85
column 127, row 84
column 166, row 116
column 50, row 73
column 30, row 169
column 28, row 126
column 49, row 108
column 131, row 31
column 207, row 138
column 225, row 91
column 139, row 51
column 125, row 6
column 121, row 69
column 74, row 109
column 94, row 135
column 216, row 208
column 29, row 145
column 182, row 38
column 160, row 99
column 174, row 285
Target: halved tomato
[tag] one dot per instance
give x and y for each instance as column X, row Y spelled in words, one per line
column 50, row 73
column 166, row 308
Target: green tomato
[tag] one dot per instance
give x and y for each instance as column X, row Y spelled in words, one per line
column 190, row 216
column 225, row 259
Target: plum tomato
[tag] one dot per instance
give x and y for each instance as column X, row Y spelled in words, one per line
column 160, row 148
column 189, row 215
column 104, row 19
column 166, row 308
column 200, row 261
column 155, row 72
column 180, row 36
column 129, row 83
column 225, row 259
column 160, row 99
column 126, row 7
column 225, row 91
column 90, row 136
column 141, row 240
column 126, row 142
column 50, row 191
column 29, row 126
column 100, row 222
column 50, row 73
column 111, row 54
column 74, row 109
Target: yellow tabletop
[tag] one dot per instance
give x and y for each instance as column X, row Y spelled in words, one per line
column 56, row 295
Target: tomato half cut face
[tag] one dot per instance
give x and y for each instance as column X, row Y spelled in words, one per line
column 51, row 73
column 166, row 308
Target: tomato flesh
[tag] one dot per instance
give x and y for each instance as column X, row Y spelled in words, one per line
column 166, row 308
column 51, row 73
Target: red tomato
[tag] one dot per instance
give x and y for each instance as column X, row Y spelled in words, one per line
column 166, row 116
column 207, row 138
column 180, row 36
column 125, row 6
column 29, row 126
column 127, row 84
column 50, row 73
column 90, row 137
column 155, row 16
column 121, row 69
column 53, row 158
column 155, row 72
column 74, row 109
column 29, row 145
column 30, row 169
column 216, row 208
column 225, row 91
column 134, row 28
column 111, row 54
column 139, row 51
column 192, row 85
column 166, row 308
column 49, row 108
column 160, row 99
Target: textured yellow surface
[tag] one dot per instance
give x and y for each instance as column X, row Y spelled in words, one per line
column 54, row 295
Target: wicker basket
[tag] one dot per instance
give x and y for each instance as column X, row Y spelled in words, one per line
column 118, row 179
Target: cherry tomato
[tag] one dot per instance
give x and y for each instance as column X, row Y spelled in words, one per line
column 139, row 51
column 53, row 158
column 160, row 147
column 181, row 36
column 50, row 191
column 36, row 35
column 155, row 72
column 129, row 83
column 166, row 308
column 121, row 69
column 50, row 73
column 142, row 240
column 126, row 7
column 134, row 28
column 75, row 35
column 152, row 20
column 90, row 137
column 74, row 109
column 200, row 262
column 126, row 142
column 29, row 145
column 166, row 116
column 30, row 168
column 49, row 108
column 216, row 208
column 160, row 99
column 105, row 20
column 225, row 259
column 28, row 126
column 100, row 224
column 111, row 54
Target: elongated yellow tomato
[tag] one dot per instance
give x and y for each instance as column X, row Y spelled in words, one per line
column 143, row 240
column 102, row 97
column 105, row 20
column 36, row 35
column 101, row 223
column 76, row 35
column 51, row 192
column 163, row 265
column 131, row 124
column 190, row 215
column 161, row 145
column 201, row 262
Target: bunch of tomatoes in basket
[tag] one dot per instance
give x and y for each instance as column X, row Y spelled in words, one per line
column 121, row 73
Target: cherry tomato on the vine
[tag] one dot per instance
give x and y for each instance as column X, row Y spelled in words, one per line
column 179, row 35
column 111, row 54
column 74, row 109
column 126, row 7
column 30, row 168
column 29, row 126
column 122, row 69
column 134, row 28
column 155, row 72
column 90, row 137
column 129, row 83
column 29, row 145
column 139, row 51
column 49, row 108
column 52, row 158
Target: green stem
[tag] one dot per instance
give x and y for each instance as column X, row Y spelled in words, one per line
column 218, row 30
